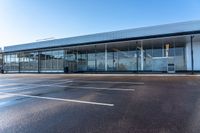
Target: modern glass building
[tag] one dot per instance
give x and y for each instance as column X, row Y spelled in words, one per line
column 163, row 48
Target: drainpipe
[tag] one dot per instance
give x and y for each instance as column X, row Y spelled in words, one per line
column 192, row 57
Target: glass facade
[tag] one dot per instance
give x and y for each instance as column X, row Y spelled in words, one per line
column 28, row 62
column 1, row 61
column 11, row 62
column 51, row 61
column 151, row 55
column 122, row 57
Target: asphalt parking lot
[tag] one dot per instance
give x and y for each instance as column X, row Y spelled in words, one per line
column 38, row 103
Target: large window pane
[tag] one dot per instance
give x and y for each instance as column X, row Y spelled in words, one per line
column 52, row 61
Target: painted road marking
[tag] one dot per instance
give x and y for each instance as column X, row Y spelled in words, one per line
column 36, row 80
column 110, row 82
column 14, row 84
column 81, row 87
column 97, row 88
column 86, row 81
column 58, row 99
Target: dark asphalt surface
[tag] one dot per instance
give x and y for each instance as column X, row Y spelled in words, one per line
column 141, row 104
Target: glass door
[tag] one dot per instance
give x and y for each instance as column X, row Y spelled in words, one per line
column 70, row 64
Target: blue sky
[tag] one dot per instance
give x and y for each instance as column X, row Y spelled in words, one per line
column 23, row 21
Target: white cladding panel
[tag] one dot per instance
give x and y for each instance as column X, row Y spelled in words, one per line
column 108, row 36
column 196, row 55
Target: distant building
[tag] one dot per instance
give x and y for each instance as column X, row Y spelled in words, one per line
column 163, row 48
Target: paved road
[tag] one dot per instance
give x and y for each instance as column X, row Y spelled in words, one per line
column 103, row 104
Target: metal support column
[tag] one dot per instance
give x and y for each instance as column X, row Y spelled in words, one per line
column 95, row 58
column 142, row 57
column 77, row 62
column 65, row 60
column 192, row 57
column 137, row 52
column 106, row 58
column 39, row 62
column 20, row 62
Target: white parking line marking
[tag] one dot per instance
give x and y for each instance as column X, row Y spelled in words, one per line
column 110, row 82
column 86, row 81
column 62, row 82
column 38, row 80
column 58, row 99
column 81, row 87
column 14, row 84
column 97, row 88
